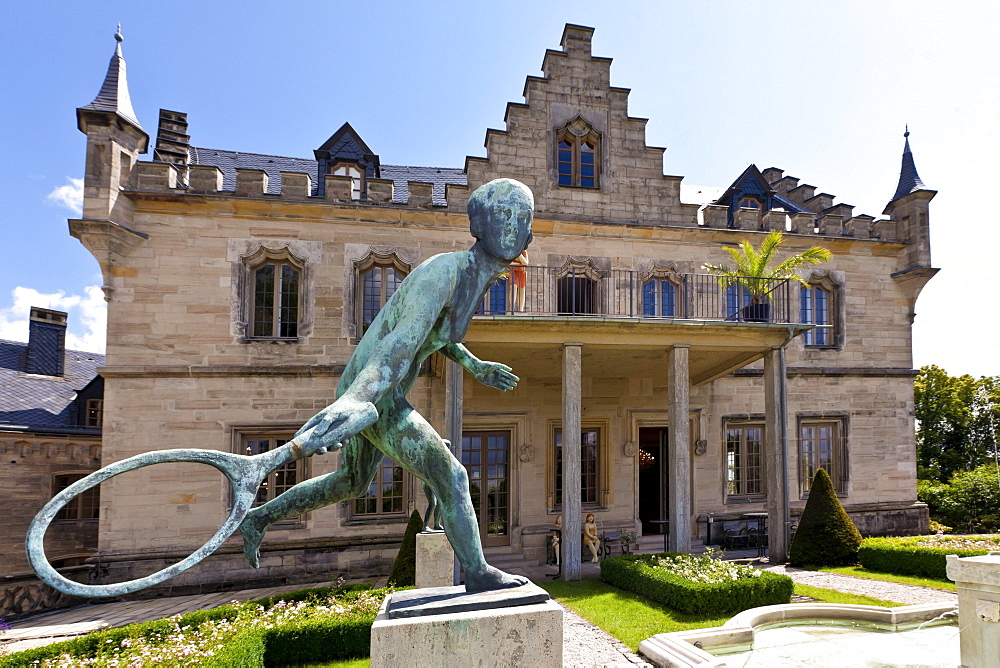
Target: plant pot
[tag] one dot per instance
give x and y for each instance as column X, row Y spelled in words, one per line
column 756, row 313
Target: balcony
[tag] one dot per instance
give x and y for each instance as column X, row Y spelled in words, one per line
column 626, row 319
column 628, row 294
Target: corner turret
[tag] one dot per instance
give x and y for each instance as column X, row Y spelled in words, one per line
column 114, row 141
column 909, row 208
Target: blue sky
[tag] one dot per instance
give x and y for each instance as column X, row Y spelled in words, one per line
column 820, row 90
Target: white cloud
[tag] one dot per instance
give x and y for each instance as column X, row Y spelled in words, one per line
column 88, row 316
column 69, row 196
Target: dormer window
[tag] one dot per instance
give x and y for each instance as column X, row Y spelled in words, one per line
column 353, row 171
column 578, row 155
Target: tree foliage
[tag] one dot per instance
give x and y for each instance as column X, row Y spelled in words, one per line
column 956, row 421
column 826, row 535
column 969, row 504
column 404, row 568
column 754, row 268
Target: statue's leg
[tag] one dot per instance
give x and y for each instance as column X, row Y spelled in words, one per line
column 432, row 517
column 410, row 441
column 359, row 462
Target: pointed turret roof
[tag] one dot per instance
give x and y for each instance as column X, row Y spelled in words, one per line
column 113, row 96
column 909, row 180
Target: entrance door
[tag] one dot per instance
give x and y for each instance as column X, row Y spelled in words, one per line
column 653, row 479
column 485, row 455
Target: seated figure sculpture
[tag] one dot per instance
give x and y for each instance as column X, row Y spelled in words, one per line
column 430, row 311
column 590, row 538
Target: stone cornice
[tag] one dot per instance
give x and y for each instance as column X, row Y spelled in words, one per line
column 164, row 371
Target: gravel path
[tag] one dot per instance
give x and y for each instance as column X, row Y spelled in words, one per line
column 887, row 591
column 587, row 645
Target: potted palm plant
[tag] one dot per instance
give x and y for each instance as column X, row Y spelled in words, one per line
column 755, row 273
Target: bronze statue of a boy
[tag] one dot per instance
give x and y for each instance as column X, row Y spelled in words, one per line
column 430, row 311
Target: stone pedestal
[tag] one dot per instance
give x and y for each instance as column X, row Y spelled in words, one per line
column 978, row 582
column 435, row 565
column 446, row 626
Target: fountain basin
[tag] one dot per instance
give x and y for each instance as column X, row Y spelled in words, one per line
column 779, row 630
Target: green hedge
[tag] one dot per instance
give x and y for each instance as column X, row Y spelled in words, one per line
column 322, row 639
column 635, row 573
column 903, row 556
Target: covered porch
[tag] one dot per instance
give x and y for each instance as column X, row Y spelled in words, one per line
column 682, row 354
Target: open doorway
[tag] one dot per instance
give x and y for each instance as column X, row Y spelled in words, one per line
column 653, row 479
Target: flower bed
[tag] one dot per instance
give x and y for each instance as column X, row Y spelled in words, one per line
column 921, row 555
column 307, row 625
column 696, row 585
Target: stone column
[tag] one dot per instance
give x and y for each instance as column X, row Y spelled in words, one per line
column 776, row 455
column 454, row 387
column 571, row 483
column 679, row 446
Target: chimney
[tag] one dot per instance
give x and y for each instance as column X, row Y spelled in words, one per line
column 46, row 342
column 172, row 139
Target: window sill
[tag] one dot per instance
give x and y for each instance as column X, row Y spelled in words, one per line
column 359, row 521
column 270, row 340
column 745, row 499
column 805, row 497
column 592, row 507
column 563, row 185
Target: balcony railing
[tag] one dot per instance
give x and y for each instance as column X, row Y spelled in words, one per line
column 622, row 293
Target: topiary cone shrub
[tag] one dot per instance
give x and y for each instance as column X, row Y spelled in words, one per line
column 826, row 535
column 404, row 568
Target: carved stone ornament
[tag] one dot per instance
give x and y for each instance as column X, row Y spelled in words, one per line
column 700, row 446
column 579, row 127
column 630, row 448
column 526, row 452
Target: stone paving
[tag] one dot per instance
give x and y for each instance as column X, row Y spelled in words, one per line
column 887, row 591
column 583, row 643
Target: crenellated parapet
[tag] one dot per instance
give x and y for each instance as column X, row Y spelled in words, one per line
column 823, row 216
column 164, row 177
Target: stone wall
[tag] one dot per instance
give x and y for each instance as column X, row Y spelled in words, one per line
column 29, row 464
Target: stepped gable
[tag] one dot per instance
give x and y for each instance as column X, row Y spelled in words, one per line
column 575, row 97
column 42, row 401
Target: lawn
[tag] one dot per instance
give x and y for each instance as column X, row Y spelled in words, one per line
column 632, row 618
column 346, row 663
column 862, row 572
column 832, row 596
column 629, row 617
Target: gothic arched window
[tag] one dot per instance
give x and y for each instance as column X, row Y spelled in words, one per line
column 275, row 296
column 578, row 155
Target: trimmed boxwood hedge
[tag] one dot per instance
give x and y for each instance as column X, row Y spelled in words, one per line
column 635, row 573
column 321, row 639
column 903, row 556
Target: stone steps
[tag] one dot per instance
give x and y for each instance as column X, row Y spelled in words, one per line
column 506, row 557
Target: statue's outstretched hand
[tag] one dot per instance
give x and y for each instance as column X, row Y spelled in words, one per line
column 496, row 375
column 331, row 427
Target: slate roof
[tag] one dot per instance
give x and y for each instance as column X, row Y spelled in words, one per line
column 230, row 161
column 113, row 95
column 909, row 180
column 439, row 176
column 42, row 402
